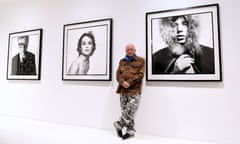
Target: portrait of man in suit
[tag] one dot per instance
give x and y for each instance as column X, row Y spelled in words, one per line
column 23, row 63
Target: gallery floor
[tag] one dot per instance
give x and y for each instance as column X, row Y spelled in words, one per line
column 25, row 131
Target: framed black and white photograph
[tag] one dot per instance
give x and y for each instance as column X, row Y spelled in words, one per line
column 24, row 55
column 87, row 50
column 183, row 44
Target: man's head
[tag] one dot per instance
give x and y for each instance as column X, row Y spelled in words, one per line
column 180, row 26
column 23, row 44
column 130, row 50
column 180, row 33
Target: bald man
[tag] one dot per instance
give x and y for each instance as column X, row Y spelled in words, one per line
column 130, row 73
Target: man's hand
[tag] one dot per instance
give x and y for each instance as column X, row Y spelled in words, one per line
column 125, row 84
column 183, row 63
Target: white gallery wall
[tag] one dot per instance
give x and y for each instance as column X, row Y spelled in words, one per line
column 204, row 111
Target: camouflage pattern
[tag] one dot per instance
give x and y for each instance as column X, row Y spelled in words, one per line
column 129, row 106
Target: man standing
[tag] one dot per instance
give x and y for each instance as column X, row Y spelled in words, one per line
column 24, row 62
column 130, row 73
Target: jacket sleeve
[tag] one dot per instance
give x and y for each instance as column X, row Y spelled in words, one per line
column 118, row 75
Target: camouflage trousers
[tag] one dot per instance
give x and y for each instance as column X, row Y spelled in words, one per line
column 129, row 106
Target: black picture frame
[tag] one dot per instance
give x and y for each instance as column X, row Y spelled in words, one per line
column 202, row 41
column 97, row 63
column 28, row 65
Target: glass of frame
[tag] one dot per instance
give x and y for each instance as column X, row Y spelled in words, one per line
column 183, row 44
column 24, row 55
column 87, row 51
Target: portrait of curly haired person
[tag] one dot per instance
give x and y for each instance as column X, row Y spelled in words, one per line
column 183, row 53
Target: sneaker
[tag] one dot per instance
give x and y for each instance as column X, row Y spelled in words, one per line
column 119, row 133
column 118, row 128
column 127, row 136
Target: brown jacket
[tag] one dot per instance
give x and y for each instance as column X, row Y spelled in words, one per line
column 131, row 72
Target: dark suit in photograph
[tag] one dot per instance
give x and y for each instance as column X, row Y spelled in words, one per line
column 25, row 67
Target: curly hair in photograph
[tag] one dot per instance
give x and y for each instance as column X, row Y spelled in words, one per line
column 168, row 32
